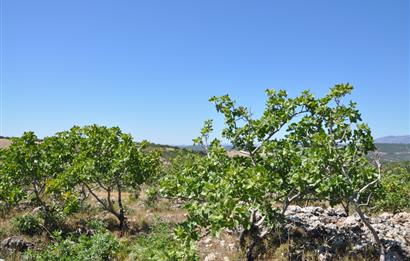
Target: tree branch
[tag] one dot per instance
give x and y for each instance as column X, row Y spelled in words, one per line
column 95, row 196
column 277, row 130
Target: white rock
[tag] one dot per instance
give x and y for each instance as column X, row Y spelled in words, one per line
column 350, row 221
column 210, row 257
column 231, row 246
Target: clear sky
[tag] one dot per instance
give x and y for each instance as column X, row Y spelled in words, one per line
column 151, row 66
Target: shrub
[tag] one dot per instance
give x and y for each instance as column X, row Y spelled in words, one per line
column 110, row 161
column 27, row 224
column 31, row 170
column 395, row 190
column 100, row 246
column 55, row 173
column 96, row 224
column 301, row 148
column 3, row 232
column 160, row 244
column 152, row 197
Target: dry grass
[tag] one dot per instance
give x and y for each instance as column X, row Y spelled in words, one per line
column 225, row 247
column 4, row 143
column 142, row 218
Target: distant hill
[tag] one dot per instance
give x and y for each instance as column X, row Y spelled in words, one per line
column 404, row 139
column 389, row 151
column 4, row 142
column 394, row 152
column 200, row 148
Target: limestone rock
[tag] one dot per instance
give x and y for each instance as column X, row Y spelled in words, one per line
column 210, row 257
column 15, row 243
column 341, row 231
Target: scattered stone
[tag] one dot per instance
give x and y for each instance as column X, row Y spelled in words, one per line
column 350, row 221
column 15, row 243
column 336, row 212
column 313, row 210
column 231, row 246
column 332, row 235
column 324, row 253
column 37, row 210
column 342, row 232
column 210, row 257
column 385, row 216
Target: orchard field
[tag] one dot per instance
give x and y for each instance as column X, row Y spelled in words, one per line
column 298, row 184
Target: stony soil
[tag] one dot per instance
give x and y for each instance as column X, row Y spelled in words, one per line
column 331, row 235
column 341, row 233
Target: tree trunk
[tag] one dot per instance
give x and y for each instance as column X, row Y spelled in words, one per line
column 374, row 233
column 121, row 216
column 123, row 220
column 249, row 254
column 346, row 207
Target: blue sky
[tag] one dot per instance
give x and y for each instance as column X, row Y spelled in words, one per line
column 150, row 66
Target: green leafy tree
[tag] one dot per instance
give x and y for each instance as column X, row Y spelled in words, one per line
column 394, row 189
column 320, row 154
column 334, row 147
column 21, row 171
column 100, row 246
column 59, row 171
column 109, row 161
column 161, row 245
column 29, row 167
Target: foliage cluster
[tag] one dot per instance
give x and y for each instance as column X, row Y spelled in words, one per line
column 100, row 246
column 161, row 245
column 300, row 148
column 28, row 224
column 59, row 172
column 394, row 191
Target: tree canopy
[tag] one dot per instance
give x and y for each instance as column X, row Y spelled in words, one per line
column 299, row 148
column 59, row 171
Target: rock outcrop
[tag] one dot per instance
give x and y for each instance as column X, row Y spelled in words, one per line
column 331, row 232
column 15, row 243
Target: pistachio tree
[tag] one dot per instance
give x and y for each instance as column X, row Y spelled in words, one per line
column 334, row 144
column 299, row 148
column 29, row 167
column 57, row 173
column 394, row 188
column 20, row 170
column 107, row 163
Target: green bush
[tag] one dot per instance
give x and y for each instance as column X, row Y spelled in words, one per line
column 161, row 245
column 395, row 190
column 100, row 246
column 3, row 232
column 96, row 224
column 27, row 224
column 152, row 197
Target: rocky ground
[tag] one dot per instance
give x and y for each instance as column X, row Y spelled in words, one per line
column 329, row 234
column 340, row 233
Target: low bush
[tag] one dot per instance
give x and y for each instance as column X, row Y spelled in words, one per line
column 161, row 245
column 97, row 224
column 100, row 246
column 395, row 190
column 27, row 224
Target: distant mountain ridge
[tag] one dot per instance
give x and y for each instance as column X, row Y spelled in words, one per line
column 391, row 148
column 403, row 139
